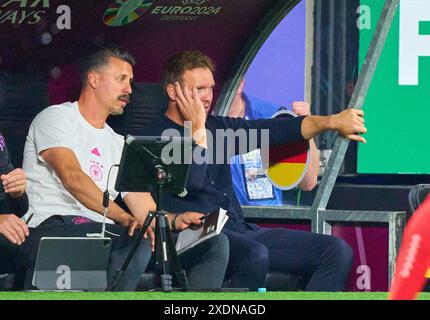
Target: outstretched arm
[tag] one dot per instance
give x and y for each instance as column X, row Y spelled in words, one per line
column 349, row 123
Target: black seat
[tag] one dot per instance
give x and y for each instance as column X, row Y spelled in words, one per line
column 7, row 281
column 275, row 281
column 417, row 194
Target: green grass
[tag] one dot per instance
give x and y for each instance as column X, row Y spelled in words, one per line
column 197, row 296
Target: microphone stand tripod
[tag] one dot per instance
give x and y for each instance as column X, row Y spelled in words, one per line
column 165, row 251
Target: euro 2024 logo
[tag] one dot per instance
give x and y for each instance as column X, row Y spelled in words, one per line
column 123, row 12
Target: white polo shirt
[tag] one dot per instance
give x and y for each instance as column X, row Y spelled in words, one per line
column 96, row 149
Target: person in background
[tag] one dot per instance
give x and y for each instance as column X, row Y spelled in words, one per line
column 13, row 205
column 250, row 183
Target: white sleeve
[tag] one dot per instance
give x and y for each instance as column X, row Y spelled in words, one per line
column 52, row 128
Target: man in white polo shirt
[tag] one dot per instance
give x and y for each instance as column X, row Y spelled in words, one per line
column 68, row 155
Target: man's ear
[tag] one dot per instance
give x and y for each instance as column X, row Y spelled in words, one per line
column 92, row 79
column 171, row 92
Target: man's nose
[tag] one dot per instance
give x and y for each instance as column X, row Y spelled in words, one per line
column 128, row 89
column 205, row 95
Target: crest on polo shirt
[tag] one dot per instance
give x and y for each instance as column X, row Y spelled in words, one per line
column 96, row 168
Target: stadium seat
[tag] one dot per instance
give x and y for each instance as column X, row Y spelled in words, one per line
column 279, row 281
column 417, row 194
column 275, row 281
column 7, row 282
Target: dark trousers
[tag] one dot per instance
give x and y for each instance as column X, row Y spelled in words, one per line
column 71, row 226
column 8, row 253
column 206, row 263
column 325, row 260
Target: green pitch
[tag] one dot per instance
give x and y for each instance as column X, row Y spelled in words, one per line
column 197, row 296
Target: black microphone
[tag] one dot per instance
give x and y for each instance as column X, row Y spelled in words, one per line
column 106, row 199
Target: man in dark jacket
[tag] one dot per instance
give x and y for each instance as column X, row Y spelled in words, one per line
column 189, row 82
column 13, row 205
